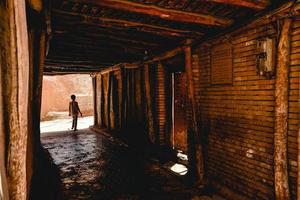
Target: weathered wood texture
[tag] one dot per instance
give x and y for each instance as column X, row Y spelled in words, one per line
column 193, row 122
column 4, row 43
column 149, row 105
column 95, row 99
column 120, row 99
column 37, row 51
column 258, row 5
column 237, row 120
column 15, row 82
column 281, row 113
column 221, row 66
column 163, row 13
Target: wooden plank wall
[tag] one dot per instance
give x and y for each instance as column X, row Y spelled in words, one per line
column 293, row 123
column 238, row 119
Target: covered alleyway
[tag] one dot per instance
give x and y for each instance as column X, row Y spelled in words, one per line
column 206, row 88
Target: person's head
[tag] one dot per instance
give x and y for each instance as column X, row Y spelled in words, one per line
column 73, row 97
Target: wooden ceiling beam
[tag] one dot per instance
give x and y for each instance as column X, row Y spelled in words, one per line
column 142, row 27
column 62, row 60
column 85, row 59
column 253, row 4
column 163, row 13
column 114, row 36
column 63, row 69
column 98, row 48
column 109, row 38
column 89, row 41
column 96, row 55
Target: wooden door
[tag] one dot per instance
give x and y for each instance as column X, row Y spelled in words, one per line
column 179, row 111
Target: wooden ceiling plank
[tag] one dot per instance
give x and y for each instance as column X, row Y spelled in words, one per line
column 253, row 4
column 99, row 48
column 147, row 41
column 109, row 22
column 90, row 43
column 162, row 13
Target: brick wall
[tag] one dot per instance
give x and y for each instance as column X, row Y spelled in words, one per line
column 237, row 119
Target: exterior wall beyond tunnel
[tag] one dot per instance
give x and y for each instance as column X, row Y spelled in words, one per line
column 57, row 90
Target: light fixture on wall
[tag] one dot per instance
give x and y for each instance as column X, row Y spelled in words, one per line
column 265, row 56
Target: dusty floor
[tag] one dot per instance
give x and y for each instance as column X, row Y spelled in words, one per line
column 64, row 123
column 94, row 166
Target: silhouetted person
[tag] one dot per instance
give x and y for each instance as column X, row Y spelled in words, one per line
column 74, row 111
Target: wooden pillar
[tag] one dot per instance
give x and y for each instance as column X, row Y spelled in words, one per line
column 102, row 103
column 95, row 101
column 150, row 119
column 14, row 87
column 281, row 113
column 37, row 50
column 193, row 125
column 108, row 102
column 123, row 98
column 4, row 39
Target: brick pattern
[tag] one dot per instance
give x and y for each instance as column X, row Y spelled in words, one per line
column 237, row 120
column 293, row 123
column 160, row 98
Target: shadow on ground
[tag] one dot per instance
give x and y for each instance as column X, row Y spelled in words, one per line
column 93, row 166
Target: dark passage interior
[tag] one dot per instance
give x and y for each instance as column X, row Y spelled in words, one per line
column 191, row 99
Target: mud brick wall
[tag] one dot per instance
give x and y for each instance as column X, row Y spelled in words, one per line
column 293, row 120
column 237, row 120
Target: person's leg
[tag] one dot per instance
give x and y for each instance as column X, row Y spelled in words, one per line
column 75, row 122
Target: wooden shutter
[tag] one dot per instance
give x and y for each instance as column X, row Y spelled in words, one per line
column 221, row 64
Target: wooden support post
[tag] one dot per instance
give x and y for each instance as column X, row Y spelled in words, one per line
column 4, row 41
column 281, row 113
column 193, row 126
column 14, row 62
column 150, row 119
column 101, row 102
column 95, row 101
column 37, row 51
column 108, row 102
column 122, row 97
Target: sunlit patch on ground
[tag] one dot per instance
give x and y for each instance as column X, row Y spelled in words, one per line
column 182, row 156
column 65, row 124
column 179, row 169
